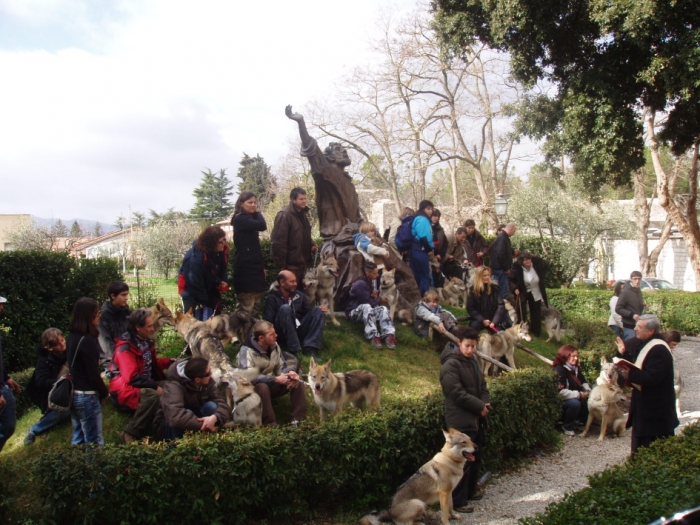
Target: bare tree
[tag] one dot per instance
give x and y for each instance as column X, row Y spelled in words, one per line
column 28, row 235
column 164, row 243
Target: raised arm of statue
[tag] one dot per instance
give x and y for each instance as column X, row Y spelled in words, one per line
column 306, row 140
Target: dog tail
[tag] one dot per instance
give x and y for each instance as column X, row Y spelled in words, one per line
column 405, row 316
column 375, row 518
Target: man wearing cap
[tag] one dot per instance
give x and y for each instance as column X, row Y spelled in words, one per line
column 8, row 388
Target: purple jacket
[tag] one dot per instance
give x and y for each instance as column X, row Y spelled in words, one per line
column 360, row 293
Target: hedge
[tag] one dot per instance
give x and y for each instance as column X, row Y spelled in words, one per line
column 354, row 461
column 41, row 288
column 676, row 310
column 662, row 479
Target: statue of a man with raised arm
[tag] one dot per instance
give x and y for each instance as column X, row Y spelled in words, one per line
column 336, row 198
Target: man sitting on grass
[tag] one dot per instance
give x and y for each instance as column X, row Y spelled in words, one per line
column 364, row 305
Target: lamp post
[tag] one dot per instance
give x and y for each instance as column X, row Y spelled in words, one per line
column 501, row 206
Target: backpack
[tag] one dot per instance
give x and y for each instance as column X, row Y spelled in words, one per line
column 404, row 237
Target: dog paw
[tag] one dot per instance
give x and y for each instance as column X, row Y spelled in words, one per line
column 335, row 322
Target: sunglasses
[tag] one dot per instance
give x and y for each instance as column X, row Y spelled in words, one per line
column 208, row 374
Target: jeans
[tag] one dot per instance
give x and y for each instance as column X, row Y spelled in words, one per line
column 420, row 266
column 502, row 278
column 308, row 334
column 201, row 313
column 373, row 318
column 628, row 333
column 48, row 421
column 574, row 410
column 207, row 409
column 8, row 418
column 616, row 330
column 86, row 416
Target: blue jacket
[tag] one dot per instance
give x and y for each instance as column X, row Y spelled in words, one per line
column 203, row 273
column 422, row 231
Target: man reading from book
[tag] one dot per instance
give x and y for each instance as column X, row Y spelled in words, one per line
column 653, row 410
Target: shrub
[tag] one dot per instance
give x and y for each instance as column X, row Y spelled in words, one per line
column 662, row 480
column 356, row 460
column 41, row 288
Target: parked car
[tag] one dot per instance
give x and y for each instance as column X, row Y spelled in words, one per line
column 650, row 284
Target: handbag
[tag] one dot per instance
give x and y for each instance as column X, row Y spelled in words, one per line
column 61, row 393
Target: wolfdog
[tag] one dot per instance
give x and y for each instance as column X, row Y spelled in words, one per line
column 161, row 316
column 552, row 322
column 230, row 327
column 310, row 283
column 333, row 392
column 388, row 289
column 204, row 343
column 502, row 344
column 602, row 403
column 247, row 405
column 326, row 274
column 433, row 482
column 452, row 291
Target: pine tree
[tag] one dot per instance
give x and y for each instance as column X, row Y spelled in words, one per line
column 120, row 222
column 59, row 229
column 212, row 195
column 255, row 177
column 98, row 230
column 76, row 231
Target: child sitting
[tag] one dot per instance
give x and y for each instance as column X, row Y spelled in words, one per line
column 429, row 311
column 368, row 249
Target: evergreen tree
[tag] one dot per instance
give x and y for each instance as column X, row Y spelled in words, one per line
column 76, row 231
column 120, row 222
column 212, row 195
column 98, row 230
column 138, row 219
column 59, row 229
column 255, row 177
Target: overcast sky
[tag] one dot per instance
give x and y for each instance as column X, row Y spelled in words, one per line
column 111, row 105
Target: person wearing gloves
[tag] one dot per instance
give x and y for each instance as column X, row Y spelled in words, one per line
column 573, row 388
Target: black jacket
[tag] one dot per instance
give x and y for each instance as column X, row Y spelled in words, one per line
column 85, row 372
column 113, row 323
column 630, row 303
column 248, row 262
column 653, row 409
column 440, row 240
column 517, row 281
column 501, row 253
column 275, row 300
column 464, row 388
column 291, row 238
column 203, row 273
column 488, row 306
column 45, row 374
column 475, row 243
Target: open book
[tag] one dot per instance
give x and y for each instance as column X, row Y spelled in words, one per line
column 627, row 365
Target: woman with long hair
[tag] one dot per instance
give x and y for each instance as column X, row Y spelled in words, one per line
column 203, row 276
column 83, row 359
column 248, row 262
column 573, row 388
column 485, row 303
column 615, row 319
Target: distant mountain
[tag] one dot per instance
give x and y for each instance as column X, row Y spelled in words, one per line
column 85, row 225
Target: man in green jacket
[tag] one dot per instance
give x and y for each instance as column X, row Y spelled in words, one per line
column 467, row 403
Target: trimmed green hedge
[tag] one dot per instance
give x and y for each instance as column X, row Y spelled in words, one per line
column 354, row 461
column 676, row 310
column 41, row 288
column 662, row 480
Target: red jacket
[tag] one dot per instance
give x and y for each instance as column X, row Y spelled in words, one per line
column 127, row 373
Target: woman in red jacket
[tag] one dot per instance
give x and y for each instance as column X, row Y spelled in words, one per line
column 136, row 371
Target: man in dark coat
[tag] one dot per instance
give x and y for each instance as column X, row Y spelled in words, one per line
column 113, row 320
column 50, row 365
column 298, row 325
column 630, row 305
column 653, row 410
column 467, row 403
column 190, row 401
column 290, row 238
column 502, row 257
column 475, row 244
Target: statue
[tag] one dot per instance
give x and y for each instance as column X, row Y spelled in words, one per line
column 336, row 198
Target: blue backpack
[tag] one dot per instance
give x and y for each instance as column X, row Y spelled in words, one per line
column 404, row 237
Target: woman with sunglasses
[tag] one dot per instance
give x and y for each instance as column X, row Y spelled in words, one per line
column 203, row 276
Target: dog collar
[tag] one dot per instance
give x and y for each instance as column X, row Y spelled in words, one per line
column 236, row 403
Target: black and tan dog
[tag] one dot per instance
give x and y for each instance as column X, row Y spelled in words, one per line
column 433, row 482
column 333, row 392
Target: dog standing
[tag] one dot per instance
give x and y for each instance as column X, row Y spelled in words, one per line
column 502, row 344
column 433, row 482
column 552, row 322
column 602, row 403
column 451, row 292
column 161, row 316
column 326, row 274
column 333, row 392
column 388, row 289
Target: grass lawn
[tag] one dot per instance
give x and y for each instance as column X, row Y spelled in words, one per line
column 411, row 370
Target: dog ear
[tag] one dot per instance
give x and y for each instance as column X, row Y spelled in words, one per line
column 328, row 364
column 312, row 363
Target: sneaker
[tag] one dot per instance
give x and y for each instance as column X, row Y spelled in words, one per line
column 464, row 509
column 376, row 342
column 390, row 342
column 29, row 438
column 569, row 432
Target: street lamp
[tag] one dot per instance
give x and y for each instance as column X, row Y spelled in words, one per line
column 501, row 205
